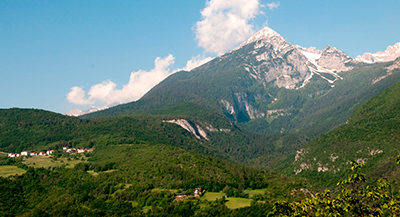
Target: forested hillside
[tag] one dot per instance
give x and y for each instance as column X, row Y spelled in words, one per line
column 135, row 166
column 37, row 130
column 371, row 135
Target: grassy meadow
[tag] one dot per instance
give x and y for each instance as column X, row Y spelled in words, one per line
column 6, row 171
column 48, row 161
column 212, row 196
column 235, row 202
column 232, row 202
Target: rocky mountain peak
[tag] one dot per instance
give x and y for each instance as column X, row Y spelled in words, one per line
column 313, row 50
column 277, row 60
column 286, row 65
column 329, row 49
column 390, row 54
column 266, row 35
column 334, row 59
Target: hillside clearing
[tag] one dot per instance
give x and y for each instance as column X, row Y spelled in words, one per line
column 212, row 196
column 46, row 162
column 235, row 202
column 6, row 171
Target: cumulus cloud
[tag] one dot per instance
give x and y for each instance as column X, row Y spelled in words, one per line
column 196, row 61
column 225, row 23
column 77, row 96
column 139, row 83
column 273, row 5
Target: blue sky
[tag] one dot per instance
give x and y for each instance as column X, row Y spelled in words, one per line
column 60, row 55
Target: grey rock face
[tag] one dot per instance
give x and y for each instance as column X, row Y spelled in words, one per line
column 390, row 54
column 275, row 59
column 334, row 59
column 270, row 60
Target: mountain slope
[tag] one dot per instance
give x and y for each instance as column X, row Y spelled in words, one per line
column 267, row 85
column 371, row 135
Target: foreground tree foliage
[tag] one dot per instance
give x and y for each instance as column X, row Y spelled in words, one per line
column 357, row 198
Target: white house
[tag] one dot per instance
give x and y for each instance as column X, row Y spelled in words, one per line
column 81, row 150
column 71, row 150
column 11, row 154
column 25, row 153
column 42, row 153
column 33, row 154
column 49, row 152
column 65, row 148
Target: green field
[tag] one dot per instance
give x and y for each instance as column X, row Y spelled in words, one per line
column 6, row 171
column 46, row 162
column 234, row 202
column 212, row 196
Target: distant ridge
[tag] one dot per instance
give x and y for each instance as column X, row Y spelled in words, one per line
column 390, row 54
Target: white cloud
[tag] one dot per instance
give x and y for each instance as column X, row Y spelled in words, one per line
column 196, row 61
column 77, row 96
column 225, row 23
column 273, row 5
column 139, row 83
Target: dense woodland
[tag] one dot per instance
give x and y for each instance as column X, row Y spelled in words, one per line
column 131, row 156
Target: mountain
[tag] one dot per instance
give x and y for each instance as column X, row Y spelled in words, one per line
column 371, row 135
column 390, row 54
column 76, row 112
column 268, row 85
column 287, row 65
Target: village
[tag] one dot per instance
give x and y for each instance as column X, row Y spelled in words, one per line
column 47, row 153
column 196, row 194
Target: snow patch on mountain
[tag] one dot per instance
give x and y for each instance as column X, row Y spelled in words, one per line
column 328, row 61
column 311, row 56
